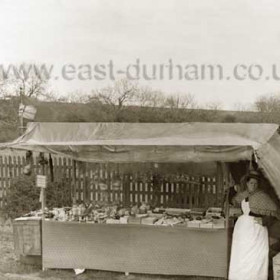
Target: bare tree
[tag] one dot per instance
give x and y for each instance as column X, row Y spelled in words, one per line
column 268, row 103
column 115, row 97
column 180, row 100
column 241, row 107
column 32, row 79
column 121, row 93
column 213, row 106
column 269, row 107
column 77, row 96
column 147, row 97
column 25, row 81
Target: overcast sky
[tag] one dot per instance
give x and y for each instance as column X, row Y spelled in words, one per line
column 196, row 32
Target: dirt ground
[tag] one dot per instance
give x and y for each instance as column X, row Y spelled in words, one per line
column 12, row 269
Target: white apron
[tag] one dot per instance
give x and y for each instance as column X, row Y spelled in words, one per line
column 249, row 252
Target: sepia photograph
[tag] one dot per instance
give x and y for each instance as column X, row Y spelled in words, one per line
column 140, row 140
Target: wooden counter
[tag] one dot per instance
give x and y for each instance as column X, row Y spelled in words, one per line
column 177, row 250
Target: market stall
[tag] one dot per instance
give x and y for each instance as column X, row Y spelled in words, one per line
column 184, row 249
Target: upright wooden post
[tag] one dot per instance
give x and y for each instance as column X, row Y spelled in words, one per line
column 126, row 189
column 21, row 114
column 43, row 194
column 42, row 184
column 74, row 182
column 85, row 178
column 43, row 203
column 51, row 168
column 226, row 181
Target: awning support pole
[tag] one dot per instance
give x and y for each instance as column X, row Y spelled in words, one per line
column 226, row 180
column 74, row 181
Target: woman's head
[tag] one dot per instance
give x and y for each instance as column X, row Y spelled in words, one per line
column 252, row 184
column 251, row 180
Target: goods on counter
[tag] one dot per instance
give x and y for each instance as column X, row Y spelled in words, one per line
column 197, row 212
column 112, row 221
column 194, row 223
column 214, row 212
column 144, row 208
column 115, row 214
column 149, row 220
column 169, row 221
column 208, row 223
column 124, row 220
column 134, row 220
column 158, row 210
column 178, row 211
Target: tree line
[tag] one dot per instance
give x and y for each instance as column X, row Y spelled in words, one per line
column 123, row 101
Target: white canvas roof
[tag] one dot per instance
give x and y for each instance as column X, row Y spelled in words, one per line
column 147, row 134
column 158, row 142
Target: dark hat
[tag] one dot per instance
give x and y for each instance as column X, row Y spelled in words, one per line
column 252, row 174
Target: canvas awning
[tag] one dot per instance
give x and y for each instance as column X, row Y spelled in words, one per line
column 157, row 142
column 147, row 134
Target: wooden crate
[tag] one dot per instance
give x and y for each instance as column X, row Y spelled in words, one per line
column 27, row 237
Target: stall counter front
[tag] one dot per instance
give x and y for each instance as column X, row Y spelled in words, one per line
column 150, row 249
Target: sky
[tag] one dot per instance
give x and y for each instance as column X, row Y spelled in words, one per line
column 80, row 39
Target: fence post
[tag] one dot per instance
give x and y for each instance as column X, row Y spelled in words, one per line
column 74, row 182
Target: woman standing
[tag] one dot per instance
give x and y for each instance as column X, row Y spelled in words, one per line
column 250, row 244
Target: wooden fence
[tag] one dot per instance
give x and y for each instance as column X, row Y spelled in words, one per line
column 116, row 183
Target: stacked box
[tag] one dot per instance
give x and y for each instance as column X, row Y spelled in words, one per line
column 112, row 221
column 134, row 220
column 124, row 220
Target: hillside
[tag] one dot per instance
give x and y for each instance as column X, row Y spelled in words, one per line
column 96, row 112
